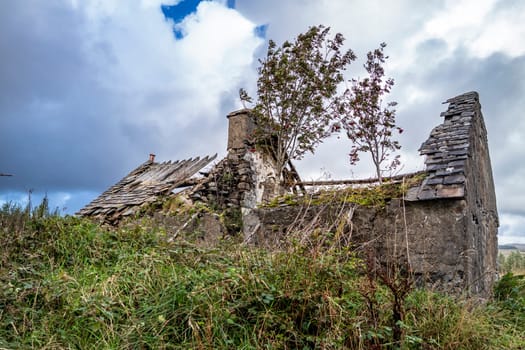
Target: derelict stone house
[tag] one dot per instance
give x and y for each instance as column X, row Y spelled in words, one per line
column 444, row 225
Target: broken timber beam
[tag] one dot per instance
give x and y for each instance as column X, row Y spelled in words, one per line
column 358, row 181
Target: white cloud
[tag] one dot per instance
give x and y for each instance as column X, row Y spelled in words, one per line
column 458, row 18
column 96, row 9
column 143, row 60
column 482, row 27
column 512, row 229
column 166, row 85
column 504, row 34
column 217, row 53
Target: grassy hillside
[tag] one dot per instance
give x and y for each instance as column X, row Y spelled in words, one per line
column 66, row 283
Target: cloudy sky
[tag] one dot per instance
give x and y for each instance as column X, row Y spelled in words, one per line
column 88, row 88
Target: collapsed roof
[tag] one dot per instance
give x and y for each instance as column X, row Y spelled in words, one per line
column 142, row 186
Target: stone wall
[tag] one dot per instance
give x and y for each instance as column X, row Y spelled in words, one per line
column 245, row 178
column 431, row 236
column 483, row 222
column 227, row 182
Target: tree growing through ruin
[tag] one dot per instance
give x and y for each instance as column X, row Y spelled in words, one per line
column 368, row 122
column 297, row 92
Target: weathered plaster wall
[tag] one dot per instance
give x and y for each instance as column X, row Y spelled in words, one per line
column 482, row 217
column 431, row 236
column 245, row 178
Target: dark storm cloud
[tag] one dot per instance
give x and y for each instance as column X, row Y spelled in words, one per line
column 56, row 130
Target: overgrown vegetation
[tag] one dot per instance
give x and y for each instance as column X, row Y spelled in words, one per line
column 364, row 195
column 67, row 283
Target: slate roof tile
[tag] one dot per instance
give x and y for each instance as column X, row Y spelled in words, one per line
column 447, row 151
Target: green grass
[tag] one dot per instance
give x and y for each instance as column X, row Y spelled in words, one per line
column 66, row 283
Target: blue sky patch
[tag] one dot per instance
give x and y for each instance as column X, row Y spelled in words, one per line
column 261, row 30
column 178, row 12
column 183, row 9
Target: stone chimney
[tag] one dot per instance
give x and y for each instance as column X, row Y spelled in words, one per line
column 240, row 128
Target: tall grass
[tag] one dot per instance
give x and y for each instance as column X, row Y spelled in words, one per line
column 66, row 283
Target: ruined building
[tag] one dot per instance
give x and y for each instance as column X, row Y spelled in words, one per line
column 444, row 224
